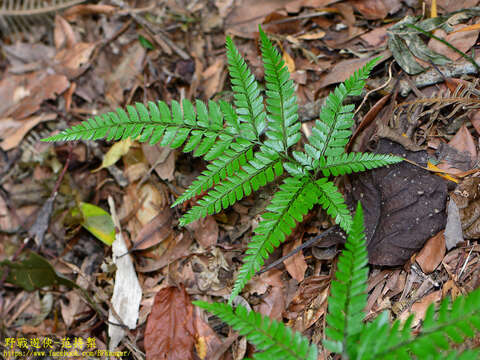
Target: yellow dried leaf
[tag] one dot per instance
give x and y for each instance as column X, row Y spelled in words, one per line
column 289, row 62
column 115, row 153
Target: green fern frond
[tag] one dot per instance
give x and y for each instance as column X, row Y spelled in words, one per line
column 203, row 128
column 345, row 305
column 259, row 171
column 290, row 203
column 331, row 133
column 248, row 100
column 226, row 165
column 355, row 162
column 283, row 125
column 274, row 339
column 454, row 322
column 332, row 201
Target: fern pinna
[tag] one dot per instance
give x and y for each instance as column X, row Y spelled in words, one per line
column 248, row 145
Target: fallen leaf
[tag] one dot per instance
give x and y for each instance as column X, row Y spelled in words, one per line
column 273, row 303
column 312, row 36
column 296, row 264
column 22, row 95
column 419, row 309
column 97, row 221
column 432, row 253
column 207, row 341
column 463, row 41
column 343, row 69
column 13, row 131
column 154, row 232
column 162, row 158
column 205, row 231
column 212, row 78
column 404, row 206
column 374, row 9
column 34, row 272
column 115, row 153
column 123, row 76
column 170, row 331
column 244, row 18
column 289, row 62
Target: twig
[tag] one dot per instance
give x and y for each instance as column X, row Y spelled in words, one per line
column 296, row 250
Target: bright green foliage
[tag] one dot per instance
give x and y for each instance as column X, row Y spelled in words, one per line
column 345, row 311
column 274, row 339
column 350, row 337
column 284, row 127
column 248, row 145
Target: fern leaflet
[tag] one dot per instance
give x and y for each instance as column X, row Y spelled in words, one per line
column 264, row 167
column 248, row 100
column 345, row 306
column 294, row 199
column 283, row 125
column 331, row 133
column 355, row 162
column 274, row 339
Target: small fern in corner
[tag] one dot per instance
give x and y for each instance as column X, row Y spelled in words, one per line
column 347, row 333
column 249, row 144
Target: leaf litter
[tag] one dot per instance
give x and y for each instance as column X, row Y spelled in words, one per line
column 91, row 60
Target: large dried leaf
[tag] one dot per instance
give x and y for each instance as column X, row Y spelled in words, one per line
column 404, row 206
column 170, row 332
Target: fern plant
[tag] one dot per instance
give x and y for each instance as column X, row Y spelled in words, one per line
column 347, row 333
column 248, row 145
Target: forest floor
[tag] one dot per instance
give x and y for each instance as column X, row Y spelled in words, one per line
column 60, row 275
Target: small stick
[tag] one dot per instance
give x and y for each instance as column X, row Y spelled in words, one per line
column 296, row 250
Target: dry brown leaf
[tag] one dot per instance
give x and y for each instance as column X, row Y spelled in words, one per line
column 343, row 69
column 243, row 20
column 454, row 5
column 463, row 41
column 312, row 36
column 22, row 95
column 122, row 76
column 273, row 303
column 420, row 308
column 289, row 62
column 207, row 341
column 377, row 37
column 432, row 253
column 375, row 9
column 162, row 158
column 154, row 232
column 464, row 142
column 73, row 61
column 176, row 249
column 13, row 131
column 205, row 231
column 170, row 333
column 212, row 78
column 63, row 35
column 296, row 264
column 88, row 9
